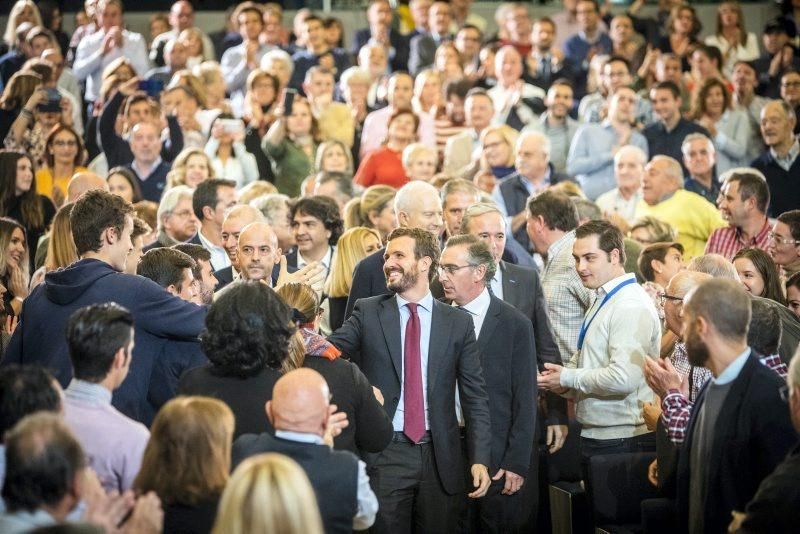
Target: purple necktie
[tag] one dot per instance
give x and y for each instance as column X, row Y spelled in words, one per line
column 414, row 404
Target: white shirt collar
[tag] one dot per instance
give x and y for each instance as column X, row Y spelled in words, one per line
column 425, row 302
column 302, row 437
column 609, row 286
column 479, row 305
column 325, row 261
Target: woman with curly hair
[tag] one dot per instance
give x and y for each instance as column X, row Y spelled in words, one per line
column 246, row 340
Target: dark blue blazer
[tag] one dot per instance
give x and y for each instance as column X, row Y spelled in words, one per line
column 752, row 435
column 399, row 42
column 159, row 318
column 368, row 280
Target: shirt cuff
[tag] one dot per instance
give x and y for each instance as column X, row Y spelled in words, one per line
column 568, row 377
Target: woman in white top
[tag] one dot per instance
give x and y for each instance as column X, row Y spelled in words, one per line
column 229, row 157
column 732, row 39
column 729, row 129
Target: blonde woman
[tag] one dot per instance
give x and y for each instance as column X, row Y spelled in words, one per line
column 191, row 440
column 374, row 209
column 190, row 167
column 353, row 246
column 268, row 493
column 61, row 250
column 21, row 11
column 497, row 144
column 210, row 75
column 420, row 161
column 334, row 156
column 732, row 38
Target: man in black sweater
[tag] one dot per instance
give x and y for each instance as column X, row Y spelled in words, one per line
column 150, row 169
column 299, row 412
column 780, row 162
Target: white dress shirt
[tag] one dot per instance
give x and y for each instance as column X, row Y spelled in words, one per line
column 219, row 257
column 425, row 313
column 496, row 284
column 90, row 61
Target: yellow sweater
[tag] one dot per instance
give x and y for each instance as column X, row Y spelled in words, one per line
column 692, row 216
column 45, row 184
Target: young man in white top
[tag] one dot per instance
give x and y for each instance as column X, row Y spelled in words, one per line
column 605, row 376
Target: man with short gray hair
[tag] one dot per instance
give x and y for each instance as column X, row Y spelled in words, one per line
column 275, row 209
column 534, row 174
column 457, row 196
column 176, row 220
column 700, row 159
column 508, row 358
column 621, row 202
column 664, row 198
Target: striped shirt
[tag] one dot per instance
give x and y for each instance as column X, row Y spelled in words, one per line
column 728, row 241
column 566, row 297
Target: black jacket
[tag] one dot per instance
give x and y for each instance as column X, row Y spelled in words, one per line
column 776, row 505
column 752, row 435
column 373, row 334
column 368, row 280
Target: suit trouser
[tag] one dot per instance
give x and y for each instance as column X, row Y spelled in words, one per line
column 410, row 495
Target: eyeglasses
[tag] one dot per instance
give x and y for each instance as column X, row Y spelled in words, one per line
column 183, row 214
column 62, row 142
column 663, row 298
column 784, row 392
column 781, row 240
column 790, row 84
column 452, row 269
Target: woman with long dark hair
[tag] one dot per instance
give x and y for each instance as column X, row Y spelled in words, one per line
column 64, row 156
column 20, row 201
column 759, row 274
column 14, row 270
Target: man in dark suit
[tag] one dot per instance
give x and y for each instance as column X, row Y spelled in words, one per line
column 739, row 429
column 416, row 205
column 508, row 362
column 422, row 48
column 211, row 200
column 545, row 65
column 299, row 413
column 416, row 350
column 379, row 16
column 534, row 174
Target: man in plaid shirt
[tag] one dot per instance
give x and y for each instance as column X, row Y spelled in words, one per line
column 743, row 202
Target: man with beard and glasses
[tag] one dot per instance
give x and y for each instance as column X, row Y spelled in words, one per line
column 416, row 350
column 740, row 429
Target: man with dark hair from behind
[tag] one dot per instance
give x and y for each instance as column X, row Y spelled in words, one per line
column 100, row 340
column 172, row 270
column 101, row 228
column 23, row 391
column 203, row 272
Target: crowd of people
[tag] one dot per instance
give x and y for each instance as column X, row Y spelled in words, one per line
column 277, row 278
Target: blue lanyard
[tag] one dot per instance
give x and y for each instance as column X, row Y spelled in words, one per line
column 585, row 326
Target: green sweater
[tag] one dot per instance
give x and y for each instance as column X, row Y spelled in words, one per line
column 290, row 164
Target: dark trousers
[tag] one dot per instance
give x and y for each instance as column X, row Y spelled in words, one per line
column 410, row 495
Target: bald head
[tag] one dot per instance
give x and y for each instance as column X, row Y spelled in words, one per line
column 82, row 182
column 678, row 286
column 300, row 402
column 258, row 251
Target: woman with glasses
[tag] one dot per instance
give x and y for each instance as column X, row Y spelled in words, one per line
column 784, row 242
column 64, row 156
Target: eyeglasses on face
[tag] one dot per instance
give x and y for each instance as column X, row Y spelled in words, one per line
column 781, row 240
column 663, row 298
column 452, row 269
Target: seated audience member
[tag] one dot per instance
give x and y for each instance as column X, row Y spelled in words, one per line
column 743, row 202
column 191, row 167
column 556, row 123
column 729, row 128
column 64, row 156
column 659, row 262
column 354, row 245
column 384, row 165
column 181, row 18
column 793, row 294
column 790, row 93
column 122, row 182
column 663, row 197
column 269, row 493
column 291, row 144
column 416, row 205
column 211, row 200
column 784, row 242
column 778, row 57
column 102, row 224
column 191, row 442
column 742, row 402
column 614, row 74
column 422, row 47
column 591, row 39
column 23, row 391
column 465, row 147
column 781, row 161
column 236, row 219
column 759, row 274
column 111, row 41
column 534, row 174
column 398, row 95
column 255, row 190
column 334, row 118
column 150, row 169
column 546, row 64
column 202, row 272
column 649, row 230
column 368, row 428
column 774, row 505
column 299, row 412
column 380, row 32
column 700, row 160
column 731, row 37
column 100, row 339
column 374, row 210
column 238, row 61
column 516, row 102
column 335, row 185
column 176, row 220
column 619, row 204
column 175, row 59
column 314, row 51
column 497, row 153
column 420, row 162
column 591, row 155
column 665, row 136
column 276, row 211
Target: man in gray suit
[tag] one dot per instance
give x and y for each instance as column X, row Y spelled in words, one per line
column 416, row 350
column 423, row 47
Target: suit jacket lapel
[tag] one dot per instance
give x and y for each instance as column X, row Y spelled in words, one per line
column 390, row 324
column 510, row 287
column 440, row 337
column 489, row 325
